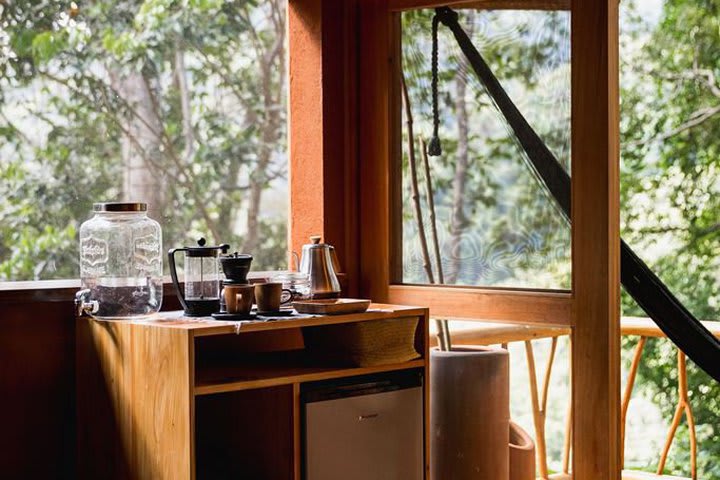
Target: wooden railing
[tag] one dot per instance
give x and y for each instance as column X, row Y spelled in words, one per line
column 467, row 332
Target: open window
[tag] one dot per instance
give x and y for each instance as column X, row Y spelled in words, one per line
column 183, row 107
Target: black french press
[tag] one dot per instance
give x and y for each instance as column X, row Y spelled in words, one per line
column 202, row 278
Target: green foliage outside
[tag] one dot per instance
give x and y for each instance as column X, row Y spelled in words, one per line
column 179, row 103
column 670, row 181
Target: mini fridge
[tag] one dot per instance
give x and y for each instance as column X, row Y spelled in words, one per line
column 366, row 428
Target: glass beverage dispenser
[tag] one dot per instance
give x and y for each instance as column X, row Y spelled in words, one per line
column 202, row 278
column 120, row 262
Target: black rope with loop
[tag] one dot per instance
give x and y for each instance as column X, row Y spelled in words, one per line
column 434, row 149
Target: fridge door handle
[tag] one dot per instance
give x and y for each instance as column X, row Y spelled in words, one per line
column 369, row 416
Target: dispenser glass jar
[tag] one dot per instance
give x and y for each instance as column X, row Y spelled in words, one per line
column 121, row 261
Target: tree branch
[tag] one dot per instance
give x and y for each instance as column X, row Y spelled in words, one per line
column 250, row 117
column 697, row 118
column 197, row 196
column 431, row 204
column 184, row 91
column 414, row 183
column 703, row 75
column 15, row 129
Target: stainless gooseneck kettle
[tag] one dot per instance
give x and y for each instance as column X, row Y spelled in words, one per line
column 318, row 263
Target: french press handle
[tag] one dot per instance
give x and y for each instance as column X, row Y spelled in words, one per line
column 173, row 275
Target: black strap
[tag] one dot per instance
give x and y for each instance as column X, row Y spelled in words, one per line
column 651, row 294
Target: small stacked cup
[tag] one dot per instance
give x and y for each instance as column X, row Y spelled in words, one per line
column 238, row 294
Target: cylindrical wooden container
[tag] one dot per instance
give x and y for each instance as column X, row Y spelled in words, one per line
column 469, row 414
column 522, row 454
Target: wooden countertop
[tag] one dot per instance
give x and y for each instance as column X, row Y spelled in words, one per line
column 203, row 326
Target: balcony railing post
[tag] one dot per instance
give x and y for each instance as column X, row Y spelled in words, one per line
column 628, row 393
column 682, row 406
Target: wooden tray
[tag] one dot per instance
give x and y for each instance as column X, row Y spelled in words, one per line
column 334, row 306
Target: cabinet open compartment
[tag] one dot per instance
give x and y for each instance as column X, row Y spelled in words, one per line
column 245, row 434
column 280, row 357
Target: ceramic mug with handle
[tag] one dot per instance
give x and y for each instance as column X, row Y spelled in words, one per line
column 238, row 298
column 270, row 296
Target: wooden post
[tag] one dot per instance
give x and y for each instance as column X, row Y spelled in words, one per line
column 596, row 240
column 306, row 120
column 377, row 212
column 322, row 143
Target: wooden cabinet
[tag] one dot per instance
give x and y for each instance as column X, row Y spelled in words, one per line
column 178, row 398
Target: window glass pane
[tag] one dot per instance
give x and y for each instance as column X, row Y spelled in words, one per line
column 496, row 223
column 670, row 187
column 178, row 104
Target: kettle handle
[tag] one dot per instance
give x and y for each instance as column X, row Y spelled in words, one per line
column 173, row 275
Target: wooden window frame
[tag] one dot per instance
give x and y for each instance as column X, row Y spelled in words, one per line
column 384, row 236
column 342, row 56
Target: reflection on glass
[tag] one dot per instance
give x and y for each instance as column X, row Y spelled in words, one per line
column 496, row 224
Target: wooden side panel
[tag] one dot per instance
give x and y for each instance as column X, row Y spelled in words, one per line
column 38, row 381
column 37, row 389
column 596, row 240
column 162, row 397
column 425, row 329
column 134, row 401
column 297, row 432
column 104, row 446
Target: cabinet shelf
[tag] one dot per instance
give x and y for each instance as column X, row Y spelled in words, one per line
column 279, row 369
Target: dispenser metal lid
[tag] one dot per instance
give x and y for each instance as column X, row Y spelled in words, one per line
column 120, row 207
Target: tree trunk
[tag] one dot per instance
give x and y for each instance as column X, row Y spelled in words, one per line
column 458, row 220
column 273, row 59
column 141, row 152
column 226, row 210
column 184, row 91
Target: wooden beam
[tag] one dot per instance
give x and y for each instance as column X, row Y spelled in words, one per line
column 596, row 240
column 374, row 147
column 549, row 308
